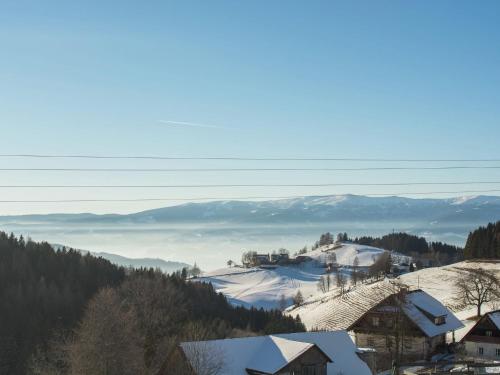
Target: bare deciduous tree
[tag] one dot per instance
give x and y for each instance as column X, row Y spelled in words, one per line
column 204, row 358
column 355, row 270
column 324, row 283
column 381, row 265
column 341, row 281
column 331, row 257
column 476, row 286
column 107, row 340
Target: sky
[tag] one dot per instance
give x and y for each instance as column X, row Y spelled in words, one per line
column 296, row 79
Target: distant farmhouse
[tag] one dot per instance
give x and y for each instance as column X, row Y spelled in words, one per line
column 274, row 259
column 381, row 317
column 262, row 259
column 308, row 353
column 483, row 339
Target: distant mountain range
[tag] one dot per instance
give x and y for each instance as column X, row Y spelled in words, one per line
column 165, row 265
column 476, row 210
column 210, row 233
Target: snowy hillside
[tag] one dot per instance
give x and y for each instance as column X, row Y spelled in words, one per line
column 439, row 282
column 347, row 253
column 264, row 287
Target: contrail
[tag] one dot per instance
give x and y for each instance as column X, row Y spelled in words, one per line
column 190, row 124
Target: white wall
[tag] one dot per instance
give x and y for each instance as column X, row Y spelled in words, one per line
column 489, row 349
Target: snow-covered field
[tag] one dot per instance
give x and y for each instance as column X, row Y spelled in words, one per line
column 264, row 287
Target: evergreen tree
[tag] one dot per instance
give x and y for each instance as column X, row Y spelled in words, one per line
column 484, row 242
column 298, row 299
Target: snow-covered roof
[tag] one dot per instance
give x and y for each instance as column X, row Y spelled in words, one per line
column 269, row 354
column 276, row 352
column 331, row 311
column 339, row 312
column 419, row 302
column 427, row 303
column 495, row 318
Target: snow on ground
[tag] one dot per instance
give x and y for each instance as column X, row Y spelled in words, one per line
column 347, row 252
column 263, row 287
column 439, row 282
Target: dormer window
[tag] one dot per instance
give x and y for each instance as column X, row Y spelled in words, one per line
column 489, row 333
column 439, row 320
column 375, row 321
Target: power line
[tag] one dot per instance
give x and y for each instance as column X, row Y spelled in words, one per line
column 236, row 158
column 237, row 169
column 232, row 198
column 253, row 185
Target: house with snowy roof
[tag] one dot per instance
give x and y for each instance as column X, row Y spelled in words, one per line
column 384, row 317
column 308, row 353
column 483, row 339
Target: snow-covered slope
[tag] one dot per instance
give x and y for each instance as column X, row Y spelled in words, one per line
column 347, row 253
column 264, row 287
column 439, row 282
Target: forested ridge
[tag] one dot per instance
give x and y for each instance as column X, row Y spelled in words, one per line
column 42, row 289
column 418, row 248
column 54, row 303
column 484, row 242
column 415, row 246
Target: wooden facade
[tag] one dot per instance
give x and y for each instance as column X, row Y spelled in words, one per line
column 311, row 362
column 386, row 325
column 483, row 340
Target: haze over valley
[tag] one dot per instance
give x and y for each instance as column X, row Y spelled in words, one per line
column 213, row 232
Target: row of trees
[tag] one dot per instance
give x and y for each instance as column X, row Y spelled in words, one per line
column 327, row 239
column 380, row 268
column 417, row 247
column 337, row 279
column 484, row 242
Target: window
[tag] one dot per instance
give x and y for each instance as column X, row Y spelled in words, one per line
column 497, row 352
column 480, row 350
column 439, row 320
column 370, row 342
column 489, row 333
column 375, row 321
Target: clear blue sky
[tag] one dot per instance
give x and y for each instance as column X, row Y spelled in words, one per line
column 393, row 79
